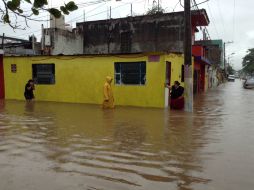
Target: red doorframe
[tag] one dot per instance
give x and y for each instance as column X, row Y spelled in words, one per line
column 168, row 73
column 2, row 93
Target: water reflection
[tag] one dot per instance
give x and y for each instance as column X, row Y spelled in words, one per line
column 72, row 146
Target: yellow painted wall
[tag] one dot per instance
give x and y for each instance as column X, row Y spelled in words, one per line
column 176, row 61
column 81, row 79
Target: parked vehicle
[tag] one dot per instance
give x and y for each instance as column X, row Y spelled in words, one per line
column 249, row 83
column 231, row 78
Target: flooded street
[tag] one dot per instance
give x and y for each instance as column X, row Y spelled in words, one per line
column 58, row 146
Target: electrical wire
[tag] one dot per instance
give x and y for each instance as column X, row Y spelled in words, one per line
column 176, row 5
column 195, row 6
column 79, row 18
column 221, row 17
column 81, row 5
column 234, row 16
column 180, row 1
column 212, row 20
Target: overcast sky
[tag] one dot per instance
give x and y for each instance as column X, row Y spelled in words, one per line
column 230, row 20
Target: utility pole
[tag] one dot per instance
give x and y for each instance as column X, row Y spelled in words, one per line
column 225, row 60
column 225, row 70
column 110, row 12
column 188, row 72
column 131, row 10
column 33, row 44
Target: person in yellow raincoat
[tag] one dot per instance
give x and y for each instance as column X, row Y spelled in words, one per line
column 108, row 101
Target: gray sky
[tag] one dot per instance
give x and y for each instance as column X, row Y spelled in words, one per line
column 227, row 23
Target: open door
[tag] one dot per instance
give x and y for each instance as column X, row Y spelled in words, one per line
column 1, row 77
column 167, row 81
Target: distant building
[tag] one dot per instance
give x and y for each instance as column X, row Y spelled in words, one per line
column 214, row 51
column 16, row 46
column 201, row 68
column 61, row 39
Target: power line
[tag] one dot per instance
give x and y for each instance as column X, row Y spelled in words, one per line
column 81, row 5
column 80, row 18
column 195, row 5
column 212, row 20
column 221, row 17
column 234, row 14
column 179, row 2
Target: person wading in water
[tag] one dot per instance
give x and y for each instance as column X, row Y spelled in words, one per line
column 177, row 96
column 29, row 88
column 108, row 101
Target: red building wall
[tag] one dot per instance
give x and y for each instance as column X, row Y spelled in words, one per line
column 198, row 50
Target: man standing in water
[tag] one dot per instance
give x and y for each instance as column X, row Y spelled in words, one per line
column 29, row 88
column 177, row 98
column 108, row 101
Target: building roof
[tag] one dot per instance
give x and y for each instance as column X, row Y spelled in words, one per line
column 13, row 39
column 138, row 54
column 199, row 18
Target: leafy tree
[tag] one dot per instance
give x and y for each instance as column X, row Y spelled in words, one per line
column 231, row 70
column 248, row 62
column 156, row 9
column 10, row 10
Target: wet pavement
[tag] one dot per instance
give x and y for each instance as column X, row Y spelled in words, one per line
column 58, row 146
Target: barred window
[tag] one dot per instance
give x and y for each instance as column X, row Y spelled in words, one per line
column 130, row 73
column 44, row 73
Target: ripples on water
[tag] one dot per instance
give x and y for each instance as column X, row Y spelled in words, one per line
column 71, row 146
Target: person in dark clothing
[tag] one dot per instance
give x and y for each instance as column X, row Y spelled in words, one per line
column 29, row 88
column 177, row 96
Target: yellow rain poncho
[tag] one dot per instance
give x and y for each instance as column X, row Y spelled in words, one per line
column 108, row 101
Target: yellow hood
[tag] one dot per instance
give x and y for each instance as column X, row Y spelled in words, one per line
column 109, row 79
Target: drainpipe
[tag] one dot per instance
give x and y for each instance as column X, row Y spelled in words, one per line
column 42, row 39
column 33, row 44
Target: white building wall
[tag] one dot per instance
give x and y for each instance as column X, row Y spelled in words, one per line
column 212, row 77
column 67, row 44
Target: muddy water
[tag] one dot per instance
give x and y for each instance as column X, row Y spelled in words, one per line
column 73, row 146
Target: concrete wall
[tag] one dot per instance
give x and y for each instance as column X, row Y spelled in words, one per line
column 65, row 42
column 213, row 77
column 81, row 79
column 154, row 33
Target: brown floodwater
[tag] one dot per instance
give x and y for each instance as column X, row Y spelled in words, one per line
column 56, row 146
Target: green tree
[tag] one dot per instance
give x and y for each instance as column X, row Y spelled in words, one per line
column 10, row 10
column 248, row 62
column 156, row 9
column 231, row 70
